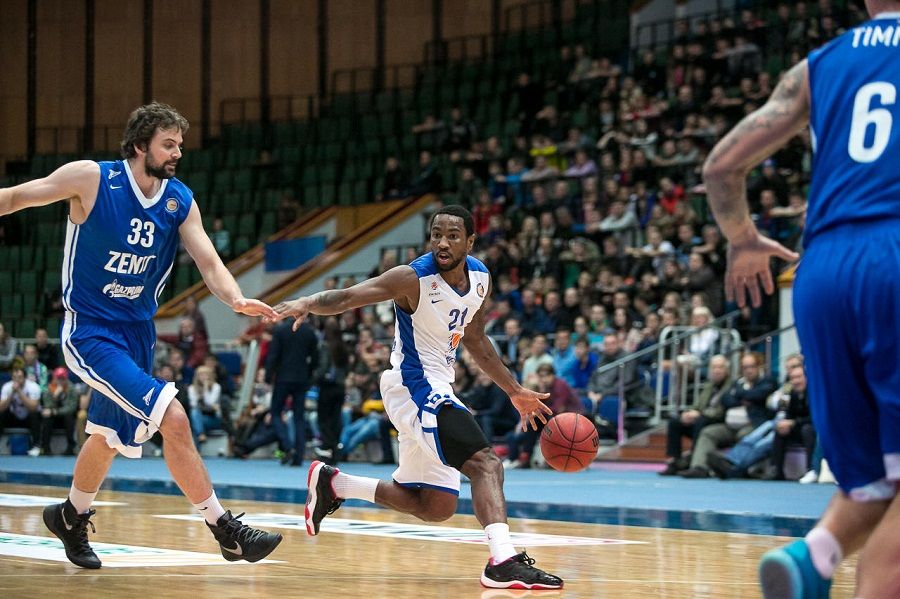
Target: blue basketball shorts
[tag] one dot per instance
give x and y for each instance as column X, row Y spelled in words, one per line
column 847, row 310
column 115, row 359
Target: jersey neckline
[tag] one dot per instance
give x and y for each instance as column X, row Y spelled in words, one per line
column 145, row 201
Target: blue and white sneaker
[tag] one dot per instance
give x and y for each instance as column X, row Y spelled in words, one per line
column 788, row 573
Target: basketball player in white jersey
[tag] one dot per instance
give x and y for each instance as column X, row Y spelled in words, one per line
column 437, row 302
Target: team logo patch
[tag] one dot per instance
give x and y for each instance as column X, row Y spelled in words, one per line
column 434, row 286
column 172, row 205
column 114, row 289
column 479, row 289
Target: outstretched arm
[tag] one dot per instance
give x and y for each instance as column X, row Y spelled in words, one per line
column 76, row 180
column 215, row 274
column 399, row 284
column 757, row 136
column 530, row 404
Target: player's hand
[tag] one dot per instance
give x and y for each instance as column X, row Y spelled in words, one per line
column 531, row 407
column 748, row 266
column 297, row 309
column 253, row 307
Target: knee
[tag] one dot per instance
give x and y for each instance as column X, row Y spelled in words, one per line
column 437, row 514
column 175, row 424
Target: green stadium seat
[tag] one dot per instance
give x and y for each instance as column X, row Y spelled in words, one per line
column 27, row 282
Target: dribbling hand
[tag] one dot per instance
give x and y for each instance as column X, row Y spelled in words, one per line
column 531, row 407
column 297, row 309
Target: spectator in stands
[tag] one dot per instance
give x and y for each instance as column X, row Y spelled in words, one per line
column 586, row 361
column 20, row 403
column 563, row 354
column 582, row 166
column 707, row 410
column 796, row 427
column 58, row 407
column 253, row 427
column 621, row 223
column 288, row 211
column 221, row 238
column 606, row 383
column 756, row 446
column 192, row 310
column 427, row 179
column 34, row 370
column 48, row 354
column 181, row 372
column 205, row 397
column 191, row 342
column 8, row 350
column 492, row 409
column 562, row 399
column 330, row 375
column 745, row 405
column 396, row 181
column 293, row 357
column 537, row 355
column 530, row 96
column 461, row 131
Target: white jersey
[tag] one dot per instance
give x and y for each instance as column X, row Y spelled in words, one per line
column 425, row 342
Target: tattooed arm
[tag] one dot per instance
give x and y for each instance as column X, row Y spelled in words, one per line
column 725, row 172
column 751, row 141
column 400, row 284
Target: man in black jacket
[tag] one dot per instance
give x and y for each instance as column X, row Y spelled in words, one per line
column 292, row 359
column 796, row 427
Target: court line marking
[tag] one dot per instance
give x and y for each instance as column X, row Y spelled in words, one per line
column 111, row 554
column 415, row 532
column 23, row 500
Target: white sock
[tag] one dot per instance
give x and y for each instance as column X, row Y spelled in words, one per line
column 498, row 539
column 347, row 486
column 81, row 499
column 210, row 509
column 825, row 551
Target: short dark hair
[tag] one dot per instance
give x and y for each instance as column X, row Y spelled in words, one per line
column 458, row 211
column 144, row 122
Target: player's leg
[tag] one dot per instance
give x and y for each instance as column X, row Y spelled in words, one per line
column 844, row 413
column 878, row 570
column 465, row 448
column 115, row 361
column 69, row 520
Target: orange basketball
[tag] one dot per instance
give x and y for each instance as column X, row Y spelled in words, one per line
column 569, row 442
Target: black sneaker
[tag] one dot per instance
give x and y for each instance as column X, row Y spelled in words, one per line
column 321, row 499
column 238, row 541
column 518, row 572
column 71, row 528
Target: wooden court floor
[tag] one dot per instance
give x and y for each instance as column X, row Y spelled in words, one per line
column 177, row 557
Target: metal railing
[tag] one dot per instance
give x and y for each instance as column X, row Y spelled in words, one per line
column 682, row 365
column 621, row 364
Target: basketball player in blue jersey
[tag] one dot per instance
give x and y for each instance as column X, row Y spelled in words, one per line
column 437, row 302
column 125, row 221
column 846, row 292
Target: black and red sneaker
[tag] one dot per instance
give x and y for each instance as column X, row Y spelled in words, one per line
column 321, row 499
column 518, row 572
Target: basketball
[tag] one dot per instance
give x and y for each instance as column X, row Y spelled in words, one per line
column 569, row 442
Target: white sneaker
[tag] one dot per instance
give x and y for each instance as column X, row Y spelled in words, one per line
column 825, row 475
column 809, row 477
column 34, row 452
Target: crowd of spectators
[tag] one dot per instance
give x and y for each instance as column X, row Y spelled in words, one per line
column 591, row 217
